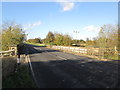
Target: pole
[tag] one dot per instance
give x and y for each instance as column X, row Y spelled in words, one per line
column 76, row 32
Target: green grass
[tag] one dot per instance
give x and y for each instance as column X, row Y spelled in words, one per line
column 36, row 44
column 113, row 57
column 20, row 79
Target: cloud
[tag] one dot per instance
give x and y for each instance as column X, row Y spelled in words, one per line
column 66, row 5
column 91, row 28
column 30, row 26
column 36, row 24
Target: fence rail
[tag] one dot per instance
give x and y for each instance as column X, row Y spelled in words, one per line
column 97, row 52
column 81, row 50
column 7, row 53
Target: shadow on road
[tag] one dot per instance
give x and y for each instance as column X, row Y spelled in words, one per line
column 33, row 49
column 76, row 74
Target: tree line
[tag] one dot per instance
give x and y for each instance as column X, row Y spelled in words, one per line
column 57, row 39
column 61, row 39
column 36, row 40
column 107, row 38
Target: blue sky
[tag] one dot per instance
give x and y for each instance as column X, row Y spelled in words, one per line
column 38, row 18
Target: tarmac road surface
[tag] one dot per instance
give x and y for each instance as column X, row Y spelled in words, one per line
column 56, row 69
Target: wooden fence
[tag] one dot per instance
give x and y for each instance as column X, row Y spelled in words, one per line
column 82, row 50
column 97, row 52
column 7, row 53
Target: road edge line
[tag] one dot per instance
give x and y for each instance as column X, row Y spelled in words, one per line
column 33, row 74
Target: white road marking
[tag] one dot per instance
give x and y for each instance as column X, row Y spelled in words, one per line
column 32, row 70
column 61, row 57
column 57, row 56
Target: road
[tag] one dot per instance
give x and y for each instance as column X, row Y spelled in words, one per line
column 56, row 69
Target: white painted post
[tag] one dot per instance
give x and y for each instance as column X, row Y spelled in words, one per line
column 18, row 60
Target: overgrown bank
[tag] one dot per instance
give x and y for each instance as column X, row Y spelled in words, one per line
column 20, row 79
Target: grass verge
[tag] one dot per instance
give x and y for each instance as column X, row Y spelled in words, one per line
column 36, row 44
column 21, row 79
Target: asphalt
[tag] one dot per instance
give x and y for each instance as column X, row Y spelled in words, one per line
column 56, row 69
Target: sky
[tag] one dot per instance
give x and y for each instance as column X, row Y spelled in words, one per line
column 38, row 18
